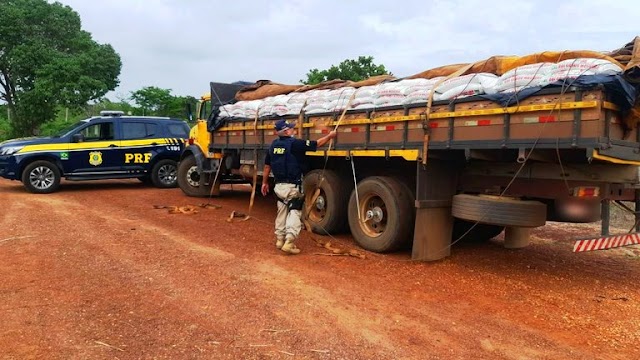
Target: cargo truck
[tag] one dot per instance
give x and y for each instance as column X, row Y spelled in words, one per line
column 436, row 169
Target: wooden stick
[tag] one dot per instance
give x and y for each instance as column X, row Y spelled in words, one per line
column 275, row 330
column 286, row 353
column 107, row 345
column 16, row 238
column 320, row 351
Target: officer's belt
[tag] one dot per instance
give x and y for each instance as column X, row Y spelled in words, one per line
column 295, row 182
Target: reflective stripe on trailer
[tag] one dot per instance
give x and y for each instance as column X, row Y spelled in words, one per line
column 477, row 123
column 608, row 242
column 385, row 128
column 539, row 119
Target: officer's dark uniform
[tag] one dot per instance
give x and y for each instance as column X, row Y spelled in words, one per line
column 288, row 163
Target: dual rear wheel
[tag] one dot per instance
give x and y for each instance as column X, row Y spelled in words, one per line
column 381, row 215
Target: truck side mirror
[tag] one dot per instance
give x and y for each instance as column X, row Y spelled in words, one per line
column 189, row 112
column 77, row 138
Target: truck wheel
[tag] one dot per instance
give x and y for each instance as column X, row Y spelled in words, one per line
column 328, row 213
column 479, row 232
column 164, row 174
column 386, row 219
column 500, row 211
column 41, row 177
column 189, row 178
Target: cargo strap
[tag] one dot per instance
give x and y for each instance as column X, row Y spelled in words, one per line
column 425, row 125
column 237, row 216
column 334, row 251
column 186, row 209
column 316, row 192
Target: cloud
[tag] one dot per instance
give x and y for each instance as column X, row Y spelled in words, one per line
column 182, row 45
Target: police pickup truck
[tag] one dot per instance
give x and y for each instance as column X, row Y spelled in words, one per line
column 110, row 146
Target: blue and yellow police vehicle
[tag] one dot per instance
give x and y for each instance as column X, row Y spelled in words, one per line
column 109, row 146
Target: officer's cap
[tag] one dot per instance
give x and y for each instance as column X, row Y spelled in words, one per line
column 283, row 124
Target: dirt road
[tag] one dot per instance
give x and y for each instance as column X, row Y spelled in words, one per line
column 95, row 272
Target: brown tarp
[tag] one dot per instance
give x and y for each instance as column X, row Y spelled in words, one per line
column 627, row 57
column 631, row 53
column 266, row 88
column 262, row 89
column 501, row 64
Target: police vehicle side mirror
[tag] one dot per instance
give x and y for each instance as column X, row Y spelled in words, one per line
column 76, row 138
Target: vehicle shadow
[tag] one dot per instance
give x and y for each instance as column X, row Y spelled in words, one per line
column 102, row 185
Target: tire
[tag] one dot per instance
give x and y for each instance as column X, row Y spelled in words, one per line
column 164, row 174
column 328, row 214
column 499, row 211
column 41, row 177
column 479, row 232
column 189, row 178
column 393, row 213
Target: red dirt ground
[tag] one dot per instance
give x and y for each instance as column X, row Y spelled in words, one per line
column 94, row 271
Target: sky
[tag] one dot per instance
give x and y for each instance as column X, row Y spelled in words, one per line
column 182, row 45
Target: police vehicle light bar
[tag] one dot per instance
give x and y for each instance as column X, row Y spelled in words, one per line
column 111, row 113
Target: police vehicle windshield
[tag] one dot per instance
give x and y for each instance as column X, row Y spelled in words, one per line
column 68, row 129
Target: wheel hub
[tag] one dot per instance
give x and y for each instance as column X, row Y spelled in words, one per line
column 193, row 177
column 167, row 174
column 320, row 203
column 41, row 178
column 376, row 215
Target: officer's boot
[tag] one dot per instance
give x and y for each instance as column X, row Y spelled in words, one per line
column 279, row 243
column 290, row 247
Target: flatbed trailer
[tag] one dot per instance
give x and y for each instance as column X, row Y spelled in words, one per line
column 433, row 173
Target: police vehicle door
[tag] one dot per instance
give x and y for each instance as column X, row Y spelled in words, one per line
column 141, row 142
column 96, row 151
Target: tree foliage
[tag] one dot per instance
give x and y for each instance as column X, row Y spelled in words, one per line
column 354, row 70
column 48, row 61
column 156, row 101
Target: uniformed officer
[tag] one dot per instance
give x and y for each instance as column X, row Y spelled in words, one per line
column 287, row 160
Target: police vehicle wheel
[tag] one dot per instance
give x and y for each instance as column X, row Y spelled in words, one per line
column 41, row 177
column 328, row 213
column 164, row 174
column 189, row 178
column 386, row 214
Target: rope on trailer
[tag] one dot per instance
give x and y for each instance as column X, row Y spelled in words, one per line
column 355, row 182
column 316, row 192
column 526, row 159
column 254, row 184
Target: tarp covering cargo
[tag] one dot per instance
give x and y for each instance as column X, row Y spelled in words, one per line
column 627, row 58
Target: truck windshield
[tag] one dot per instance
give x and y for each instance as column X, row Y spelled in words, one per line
column 205, row 108
column 68, row 129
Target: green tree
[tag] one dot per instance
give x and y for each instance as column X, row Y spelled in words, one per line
column 354, row 70
column 160, row 102
column 47, row 61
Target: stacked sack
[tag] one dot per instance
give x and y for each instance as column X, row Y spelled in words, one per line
column 467, row 85
column 419, row 90
column 543, row 74
column 412, row 91
column 573, row 68
column 523, row 77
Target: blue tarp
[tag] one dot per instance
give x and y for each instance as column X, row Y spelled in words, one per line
column 622, row 93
